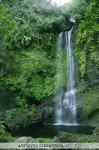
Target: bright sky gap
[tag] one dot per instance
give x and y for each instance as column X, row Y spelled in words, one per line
column 60, row 2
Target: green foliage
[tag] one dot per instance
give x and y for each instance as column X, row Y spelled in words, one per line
column 21, row 37
column 35, row 76
column 7, row 24
column 31, row 48
column 31, row 57
column 82, row 62
column 72, row 138
column 20, row 117
column 27, row 61
column 4, row 135
column 77, row 9
column 87, row 43
column 88, row 100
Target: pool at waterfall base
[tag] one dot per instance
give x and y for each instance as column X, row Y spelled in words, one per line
column 50, row 130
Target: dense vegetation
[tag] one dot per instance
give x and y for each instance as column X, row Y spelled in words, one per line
column 87, row 44
column 29, row 34
column 29, row 31
column 86, row 50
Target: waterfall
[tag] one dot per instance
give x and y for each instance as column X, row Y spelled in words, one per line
column 65, row 100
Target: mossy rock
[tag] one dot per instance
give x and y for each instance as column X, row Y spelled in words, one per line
column 96, row 131
column 80, row 138
column 23, row 117
column 88, row 107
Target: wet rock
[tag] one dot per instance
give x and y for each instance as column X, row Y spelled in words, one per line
column 96, row 131
column 25, row 140
column 69, row 137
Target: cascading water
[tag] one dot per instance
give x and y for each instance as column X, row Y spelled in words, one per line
column 65, row 101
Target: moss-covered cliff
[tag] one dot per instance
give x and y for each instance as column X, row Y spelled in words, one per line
column 29, row 32
column 87, row 56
